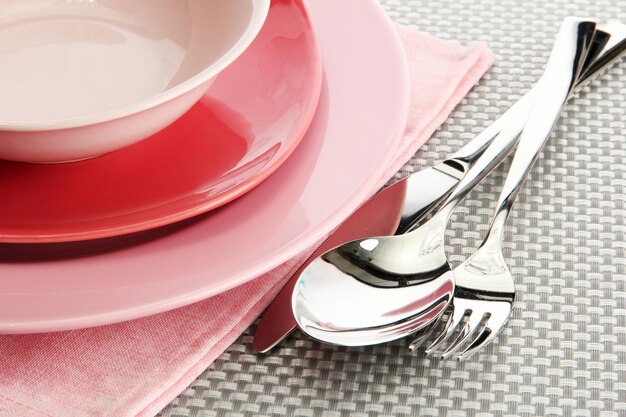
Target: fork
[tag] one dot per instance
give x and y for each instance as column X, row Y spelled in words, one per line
column 485, row 289
column 475, row 295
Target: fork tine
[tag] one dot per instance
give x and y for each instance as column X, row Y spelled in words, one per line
column 484, row 337
column 456, row 317
column 418, row 341
column 492, row 328
column 468, row 330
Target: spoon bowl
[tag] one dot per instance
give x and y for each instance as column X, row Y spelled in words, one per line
column 355, row 314
column 375, row 290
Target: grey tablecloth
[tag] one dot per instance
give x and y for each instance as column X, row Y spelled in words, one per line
column 563, row 352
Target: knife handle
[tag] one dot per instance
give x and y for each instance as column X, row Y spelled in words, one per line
column 563, row 69
column 609, row 46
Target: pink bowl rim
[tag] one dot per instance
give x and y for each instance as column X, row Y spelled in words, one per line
column 260, row 10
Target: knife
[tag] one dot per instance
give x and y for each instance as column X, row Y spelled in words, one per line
column 397, row 208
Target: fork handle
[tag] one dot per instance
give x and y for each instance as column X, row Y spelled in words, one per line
column 553, row 90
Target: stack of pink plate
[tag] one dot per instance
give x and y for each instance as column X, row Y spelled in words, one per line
column 303, row 123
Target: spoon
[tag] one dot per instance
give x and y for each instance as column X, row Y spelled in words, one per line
column 379, row 289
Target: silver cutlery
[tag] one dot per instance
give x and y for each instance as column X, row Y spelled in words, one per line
column 331, row 301
column 427, row 188
column 378, row 289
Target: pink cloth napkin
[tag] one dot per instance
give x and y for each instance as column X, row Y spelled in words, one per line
column 135, row 368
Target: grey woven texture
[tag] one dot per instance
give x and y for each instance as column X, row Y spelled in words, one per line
column 563, row 353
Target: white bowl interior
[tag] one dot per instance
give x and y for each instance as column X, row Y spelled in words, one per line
column 67, row 59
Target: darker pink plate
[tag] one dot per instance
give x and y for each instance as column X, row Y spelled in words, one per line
column 249, row 122
column 359, row 121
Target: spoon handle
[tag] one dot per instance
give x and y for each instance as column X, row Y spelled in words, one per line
column 553, row 90
column 563, row 69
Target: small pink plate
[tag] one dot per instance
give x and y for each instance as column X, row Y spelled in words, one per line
column 361, row 116
column 249, row 122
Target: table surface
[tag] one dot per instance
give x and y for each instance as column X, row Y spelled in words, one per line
column 563, row 353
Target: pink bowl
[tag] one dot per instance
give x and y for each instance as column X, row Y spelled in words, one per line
column 80, row 78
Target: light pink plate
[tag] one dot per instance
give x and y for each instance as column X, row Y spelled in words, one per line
column 360, row 118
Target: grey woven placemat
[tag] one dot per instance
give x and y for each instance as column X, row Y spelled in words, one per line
column 563, row 352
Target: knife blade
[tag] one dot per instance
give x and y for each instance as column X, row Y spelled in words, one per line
column 378, row 216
